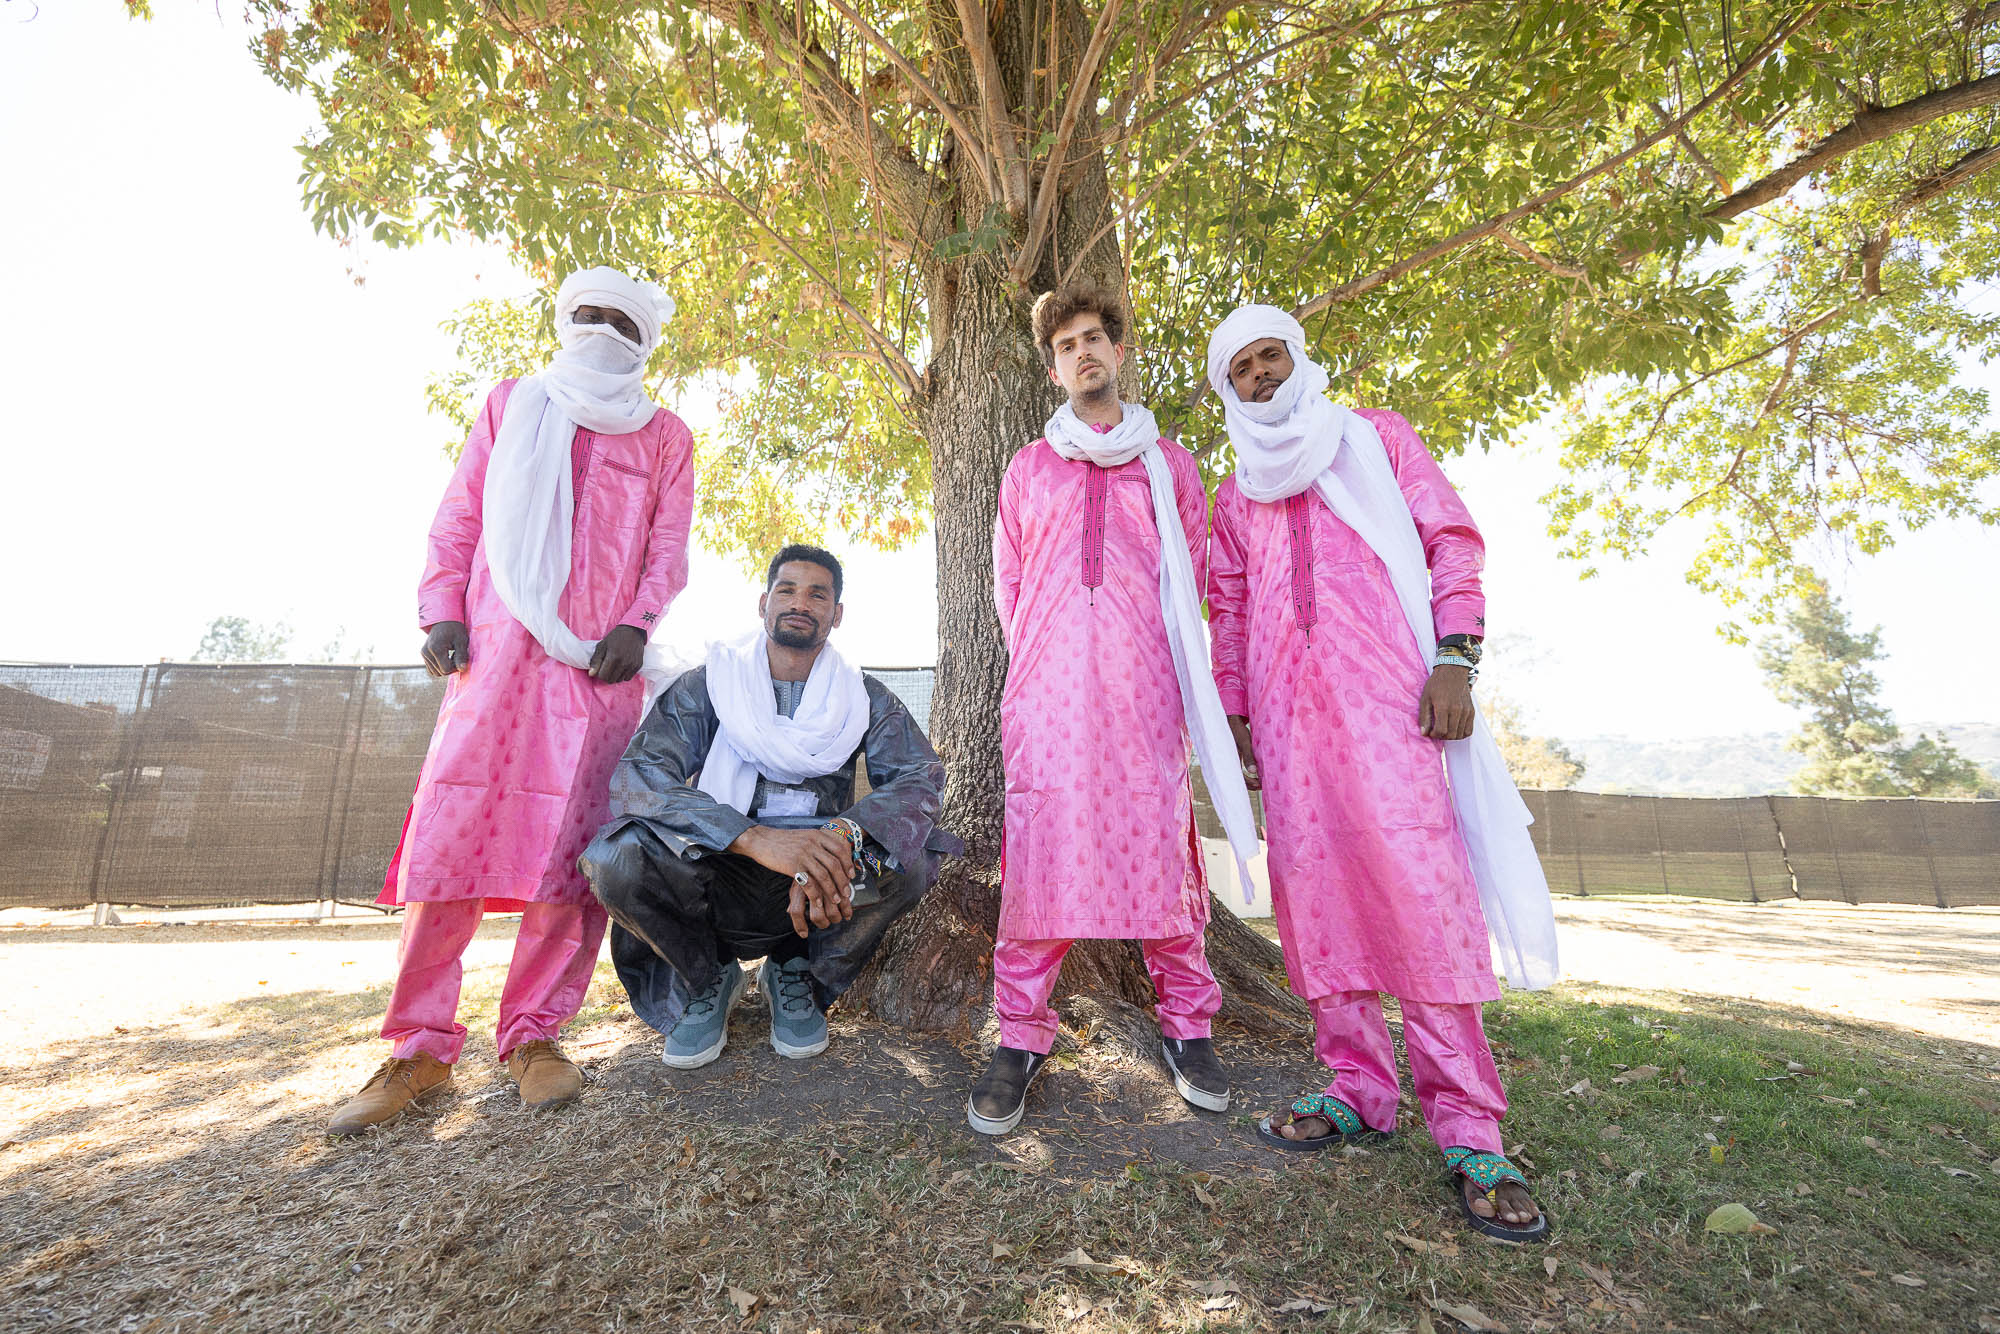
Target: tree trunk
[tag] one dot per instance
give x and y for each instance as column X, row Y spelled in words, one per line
column 989, row 395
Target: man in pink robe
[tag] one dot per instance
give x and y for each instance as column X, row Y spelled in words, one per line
column 517, row 779
column 1099, row 838
column 1344, row 721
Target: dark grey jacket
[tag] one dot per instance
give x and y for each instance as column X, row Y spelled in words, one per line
column 655, row 782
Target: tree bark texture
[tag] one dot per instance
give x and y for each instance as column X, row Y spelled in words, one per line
column 987, row 395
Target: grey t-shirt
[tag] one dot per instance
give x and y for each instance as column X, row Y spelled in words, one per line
column 788, row 694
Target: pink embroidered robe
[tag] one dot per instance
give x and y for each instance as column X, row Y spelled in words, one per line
column 1369, row 880
column 517, row 779
column 1099, row 835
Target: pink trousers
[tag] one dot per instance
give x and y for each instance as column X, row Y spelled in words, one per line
column 1451, row 1064
column 554, row 955
column 1025, row 972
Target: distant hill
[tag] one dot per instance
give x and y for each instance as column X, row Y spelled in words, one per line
column 1733, row 766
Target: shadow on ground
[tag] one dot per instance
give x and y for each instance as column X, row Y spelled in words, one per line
column 174, row 1178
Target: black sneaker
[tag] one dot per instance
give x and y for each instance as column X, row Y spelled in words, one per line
column 1198, row 1075
column 1001, row 1095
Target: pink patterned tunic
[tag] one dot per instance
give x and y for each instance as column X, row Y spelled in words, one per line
column 1369, row 880
column 1099, row 832
column 518, row 775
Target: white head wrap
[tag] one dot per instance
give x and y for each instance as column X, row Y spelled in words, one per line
column 1300, row 439
column 597, row 381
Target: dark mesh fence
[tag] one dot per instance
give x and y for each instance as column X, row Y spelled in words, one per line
column 188, row 784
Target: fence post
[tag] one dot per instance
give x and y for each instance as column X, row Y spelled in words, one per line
column 1784, row 849
column 1749, row 866
column 347, row 799
column 114, row 801
column 334, row 796
column 1930, row 851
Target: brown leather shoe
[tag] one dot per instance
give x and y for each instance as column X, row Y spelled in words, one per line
column 546, row 1076
column 400, row 1082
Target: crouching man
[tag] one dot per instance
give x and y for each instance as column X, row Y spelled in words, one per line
column 735, row 833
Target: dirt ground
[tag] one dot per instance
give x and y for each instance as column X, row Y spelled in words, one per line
column 162, row 1167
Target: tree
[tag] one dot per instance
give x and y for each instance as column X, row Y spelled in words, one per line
column 1482, row 208
column 1532, row 761
column 238, row 639
column 1851, row 743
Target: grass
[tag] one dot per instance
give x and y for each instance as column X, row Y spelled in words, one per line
column 174, row 1178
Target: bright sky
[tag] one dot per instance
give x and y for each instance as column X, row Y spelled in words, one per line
column 207, row 415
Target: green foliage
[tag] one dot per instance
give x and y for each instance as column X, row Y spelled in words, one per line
column 238, row 639
column 1532, row 761
column 1775, row 374
column 1851, row 743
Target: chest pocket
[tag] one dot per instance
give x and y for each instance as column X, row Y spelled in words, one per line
column 621, row 492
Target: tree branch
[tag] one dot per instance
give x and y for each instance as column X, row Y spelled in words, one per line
column 1686, row 141
column 1870, row 125
column 1459, row 240
column 1004, row 139
column 1082, row 86
column 1536, row 257
column 914, row 77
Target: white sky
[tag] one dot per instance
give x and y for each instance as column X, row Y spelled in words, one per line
column 207, row 416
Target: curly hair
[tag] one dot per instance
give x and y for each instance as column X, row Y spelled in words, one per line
column 1055, row 309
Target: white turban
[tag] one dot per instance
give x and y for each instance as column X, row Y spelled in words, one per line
column 645, row 304
column 597, row 381
column 1284, row 445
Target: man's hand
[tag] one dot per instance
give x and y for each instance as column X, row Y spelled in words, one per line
column 825, row 858
column 448, row 648
column 619, row 655
column 1239, row 727
column 1445, row 711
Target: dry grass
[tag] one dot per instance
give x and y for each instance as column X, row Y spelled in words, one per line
column 172, row 1178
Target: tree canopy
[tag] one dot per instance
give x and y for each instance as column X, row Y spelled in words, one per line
column 1731, row 249
column 1853, row 748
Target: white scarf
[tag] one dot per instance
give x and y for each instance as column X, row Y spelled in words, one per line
column 753, row 738
column 1300, row 439
column 1138, row 436
column 597, row 381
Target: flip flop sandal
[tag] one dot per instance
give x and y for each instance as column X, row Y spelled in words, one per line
column 1488, row 1172
column 1346, row 1122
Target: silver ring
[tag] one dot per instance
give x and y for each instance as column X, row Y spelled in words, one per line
column 801, row 878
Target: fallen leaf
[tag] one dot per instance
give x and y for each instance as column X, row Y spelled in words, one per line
column 1857, row 1192
column 1422, row 1247
column 1838, row 1102
column 1795, row 1068
column 1632, row 1179
column 1869, row 1141
column 1734, row 1219
column 1961, row 1172
column 1470, row 1316
column 1203, row 1195
column 1908, row 1280
column 1305, row 1304
column 1611, row 1132
column 1598, row 1276
column 1579, row 1089
column 744, row 1302
column 1802, row 1189
column 1217, row 1287
column 687, row 1152
column 1118, row 1264
column 1549, row 1265
column 1424, row 1325
column 1227, row 1303
column 1717, row 1153
column 1638, row 1074
column 1002, row 1251
column 1605, row 1160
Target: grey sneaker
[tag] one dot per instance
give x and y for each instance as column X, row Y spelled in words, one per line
column 703, row 1030
column 798, row 1026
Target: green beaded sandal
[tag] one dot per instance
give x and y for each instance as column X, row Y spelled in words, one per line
column 1346, row 1123
column 1488, row 1172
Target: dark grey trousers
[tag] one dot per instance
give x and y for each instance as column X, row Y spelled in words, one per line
column 676, row 920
